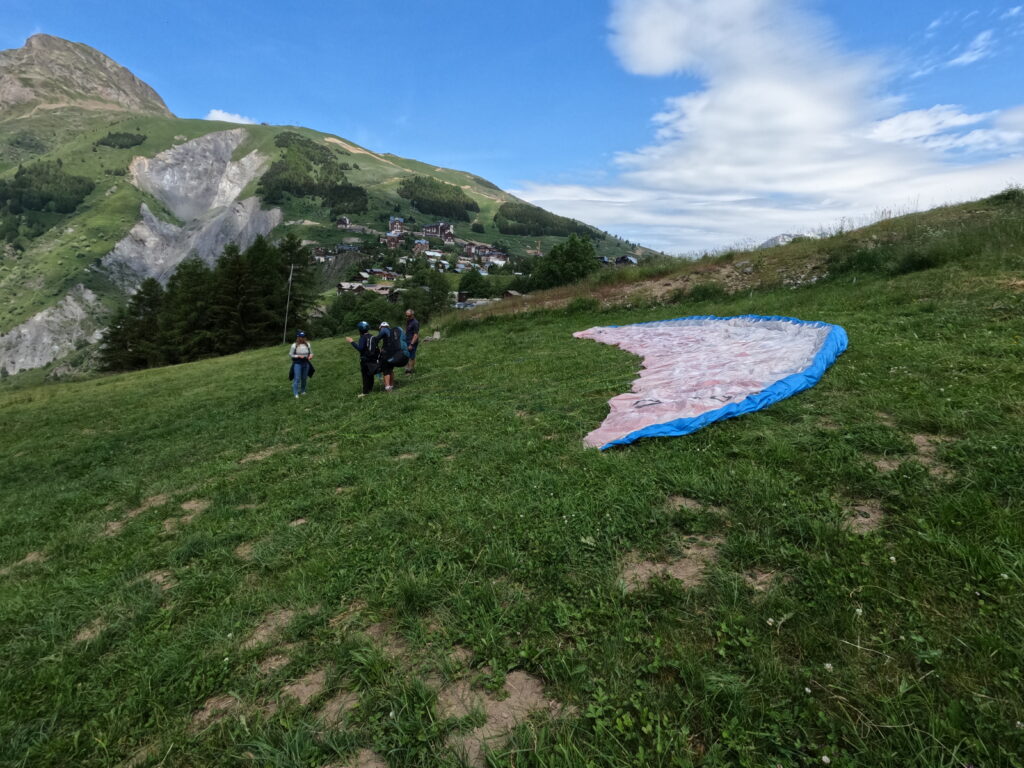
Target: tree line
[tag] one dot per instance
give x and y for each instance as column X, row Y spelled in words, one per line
column 308, row 169
column 36, row 198
column 438, row 198
column 525, row 219
column 207, row 311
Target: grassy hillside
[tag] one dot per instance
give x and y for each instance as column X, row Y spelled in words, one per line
column 198, row 569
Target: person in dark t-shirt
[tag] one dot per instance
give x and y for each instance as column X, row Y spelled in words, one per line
column 367, row 356
column 412, row 339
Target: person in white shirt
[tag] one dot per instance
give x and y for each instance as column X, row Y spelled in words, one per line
column 301, row 353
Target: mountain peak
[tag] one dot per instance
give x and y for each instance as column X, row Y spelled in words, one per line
column 51, row 73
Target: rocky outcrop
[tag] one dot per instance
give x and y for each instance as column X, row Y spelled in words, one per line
column 199, row 183
column 199, row 175
column 49, row 72
column 53, row 333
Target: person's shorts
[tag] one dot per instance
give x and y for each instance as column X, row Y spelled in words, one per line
column 412, row 352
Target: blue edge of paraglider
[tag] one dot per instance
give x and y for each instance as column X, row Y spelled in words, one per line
column 833, row 346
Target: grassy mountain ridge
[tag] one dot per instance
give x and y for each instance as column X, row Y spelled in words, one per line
column 856, row 552
column 31, row 281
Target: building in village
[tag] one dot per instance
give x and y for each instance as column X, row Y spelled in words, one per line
column 442, row 229
column 396, row 224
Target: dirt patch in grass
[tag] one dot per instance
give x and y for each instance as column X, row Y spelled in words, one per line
column 271, row 664
column 244, row 550
column 195, row 506
column 407, row 456
column 346, row 616
column 927, row 449
column 298, row 521
column 824, row 422
column 140, row 756
column 522, row 695
column 675, row 503
column 334, row 711
column 385, row 637
column 343, row 489
column 760, row 581
column 1017, row 286
column 115, row 527
column 272, row 623
column 266, row 453
column 214, row 709
column 29, row 559
column 687, row 569
column 461, row 655
column 364, row 758
column 90, row 632
column 163, row 579
column 886, row 418
column 865, row 516
column 153, row 501
column 306, row 688
column 887, row 464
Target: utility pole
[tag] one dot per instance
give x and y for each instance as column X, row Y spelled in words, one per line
column 287, row 304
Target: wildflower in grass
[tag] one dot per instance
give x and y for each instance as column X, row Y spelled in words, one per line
column 892, row 558
column 1020, row 725
column 807, row 690
column 828, row 667
column 859, row 612
column 771, row 622
column 826, row 759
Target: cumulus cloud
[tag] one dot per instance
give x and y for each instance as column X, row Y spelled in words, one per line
column 228, row 117
column 787, row 132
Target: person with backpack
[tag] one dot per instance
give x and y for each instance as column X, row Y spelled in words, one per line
column 390, row 344
column 301, row 355
column 368, row 354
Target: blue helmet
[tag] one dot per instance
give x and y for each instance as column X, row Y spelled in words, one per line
column 363, row 325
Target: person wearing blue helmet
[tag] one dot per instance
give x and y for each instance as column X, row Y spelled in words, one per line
column 301, row 354
column 367, row 356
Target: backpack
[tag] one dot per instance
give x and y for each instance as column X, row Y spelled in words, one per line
column 395, row 349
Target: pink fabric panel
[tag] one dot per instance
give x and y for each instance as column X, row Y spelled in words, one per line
column 695, row 365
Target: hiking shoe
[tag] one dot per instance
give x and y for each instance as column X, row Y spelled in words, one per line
column 388, row 389
column 296, row 397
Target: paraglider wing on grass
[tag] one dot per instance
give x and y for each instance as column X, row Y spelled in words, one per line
column 698, row 370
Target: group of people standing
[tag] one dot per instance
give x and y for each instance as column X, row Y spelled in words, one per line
column 380, row 353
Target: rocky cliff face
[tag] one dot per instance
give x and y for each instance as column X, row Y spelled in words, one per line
column 53, row 333
column 200, row 184
column 49, row 72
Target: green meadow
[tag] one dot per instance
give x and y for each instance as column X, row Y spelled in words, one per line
column 198, row 569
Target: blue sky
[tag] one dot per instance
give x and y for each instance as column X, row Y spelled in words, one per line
column 680, row 124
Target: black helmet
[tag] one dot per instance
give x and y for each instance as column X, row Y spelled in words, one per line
column 363, row 325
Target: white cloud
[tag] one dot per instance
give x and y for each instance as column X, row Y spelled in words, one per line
column 787, row 132
column 1015, row 11
column 979, row 48
column 922, row 123
column 228, row 117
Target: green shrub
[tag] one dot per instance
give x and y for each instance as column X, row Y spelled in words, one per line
column 121, row 140
column 707, row 292
column 27, row 142
column 582, row 304
column 1013, row 195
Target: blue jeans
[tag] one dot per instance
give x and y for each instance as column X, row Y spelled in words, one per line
column 300, row 371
